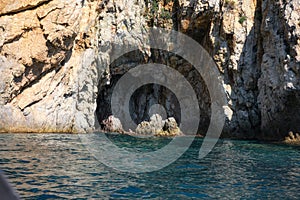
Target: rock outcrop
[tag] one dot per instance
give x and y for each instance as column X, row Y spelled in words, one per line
column 57, row 75
column 170, row 128
column 159, row 127
column 112, row 124
column 154, row 126
column 292, row 138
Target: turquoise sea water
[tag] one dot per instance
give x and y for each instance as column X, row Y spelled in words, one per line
column 58, row 166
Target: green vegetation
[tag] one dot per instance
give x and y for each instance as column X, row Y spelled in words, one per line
column 154, row 7
column 242, row 19
column 165, row 14
column 155, row 14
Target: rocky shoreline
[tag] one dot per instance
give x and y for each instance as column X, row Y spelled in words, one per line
column 157, row 127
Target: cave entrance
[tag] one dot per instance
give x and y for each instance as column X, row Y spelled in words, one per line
column 152, row 99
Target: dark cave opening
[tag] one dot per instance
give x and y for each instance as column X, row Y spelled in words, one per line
column 153, row 98
column 143, row 103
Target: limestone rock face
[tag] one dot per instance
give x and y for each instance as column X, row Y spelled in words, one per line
column 57, row 73
column 256, row 47
column 48, row 66
column 280, row 63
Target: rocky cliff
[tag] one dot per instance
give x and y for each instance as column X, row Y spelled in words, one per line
column 57, row 74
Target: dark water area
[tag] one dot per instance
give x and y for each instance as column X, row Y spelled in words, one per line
column 59, row 166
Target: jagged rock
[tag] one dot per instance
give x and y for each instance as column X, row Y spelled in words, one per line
column 170, row 128
column 152, row 127
column 112, row 124
column 158, row 127
column 144, row 128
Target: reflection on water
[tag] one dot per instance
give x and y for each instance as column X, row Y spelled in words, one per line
column 42, row 166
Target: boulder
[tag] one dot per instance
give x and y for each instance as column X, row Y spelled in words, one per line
column 152, row 127
column 112, row 124
column 170, row 128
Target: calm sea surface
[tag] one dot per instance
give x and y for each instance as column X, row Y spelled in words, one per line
column 58, row 166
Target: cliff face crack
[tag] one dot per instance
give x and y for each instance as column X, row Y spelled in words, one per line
column 31, row 104
column 18, row 37
column 30, row 84
column 45, row 15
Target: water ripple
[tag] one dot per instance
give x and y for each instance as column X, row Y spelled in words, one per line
column 58, row 166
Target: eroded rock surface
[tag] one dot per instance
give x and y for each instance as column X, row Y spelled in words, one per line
column 55, row 61
column 48, row 66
